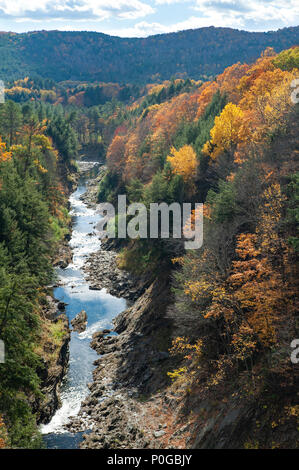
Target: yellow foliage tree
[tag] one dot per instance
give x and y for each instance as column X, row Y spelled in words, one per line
column 269, row 96
column 4, row 155
column 183, row 161
column 227, row 131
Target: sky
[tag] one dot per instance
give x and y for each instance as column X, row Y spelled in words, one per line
column 141, row 18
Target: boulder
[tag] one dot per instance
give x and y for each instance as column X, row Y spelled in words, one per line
column 61, row 305
column 79, row 323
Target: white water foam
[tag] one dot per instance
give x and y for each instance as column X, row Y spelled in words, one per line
column 70, row 407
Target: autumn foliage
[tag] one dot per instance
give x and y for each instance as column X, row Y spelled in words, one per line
column 234, row 139
column 183, row 162
column 4, row 155
column 227, row 131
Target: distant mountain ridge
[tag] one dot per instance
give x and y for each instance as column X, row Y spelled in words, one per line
column 95, row 56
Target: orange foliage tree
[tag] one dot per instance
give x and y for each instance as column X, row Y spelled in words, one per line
column 115, row 154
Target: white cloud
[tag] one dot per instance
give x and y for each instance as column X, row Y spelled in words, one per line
column 76, row 10
column 170, row 2
column 216, row 19
column 144, row 28
column 250, row 14
column 141, row 29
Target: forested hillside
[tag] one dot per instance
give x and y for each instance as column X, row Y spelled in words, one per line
column 36, row 151
column 196, row 54
column 232, row 144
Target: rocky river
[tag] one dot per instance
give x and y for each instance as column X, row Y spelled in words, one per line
column 101, row 308
column 115, row 392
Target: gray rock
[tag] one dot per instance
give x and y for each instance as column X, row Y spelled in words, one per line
column 79, row 323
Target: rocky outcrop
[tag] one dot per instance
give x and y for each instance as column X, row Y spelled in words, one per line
column 90, row 196
column 63, row 256
column 79, row 323
column 142, row 343
column 52, row 378
column 102, row 272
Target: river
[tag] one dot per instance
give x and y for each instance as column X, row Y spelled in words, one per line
column 101, row 308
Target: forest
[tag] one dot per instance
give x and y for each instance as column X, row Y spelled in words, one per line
column 88, row 56
column 229, row 142
column 37, row 152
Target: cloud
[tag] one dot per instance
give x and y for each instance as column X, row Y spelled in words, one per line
column 250, row 14
column 223, row 5
column 166, row 15
column 143, row 28
column 171, row 2
column 76, row 10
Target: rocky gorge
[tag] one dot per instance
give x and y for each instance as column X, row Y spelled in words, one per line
column 129, row 404
column 130, row 400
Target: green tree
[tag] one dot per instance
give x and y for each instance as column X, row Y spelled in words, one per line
column 10, row 120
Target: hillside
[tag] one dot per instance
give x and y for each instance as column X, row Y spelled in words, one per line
column 203, row 358
column 93, row 56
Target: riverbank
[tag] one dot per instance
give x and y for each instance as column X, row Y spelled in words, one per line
column 54, row 350
column 102, row 272
column 129, row 404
